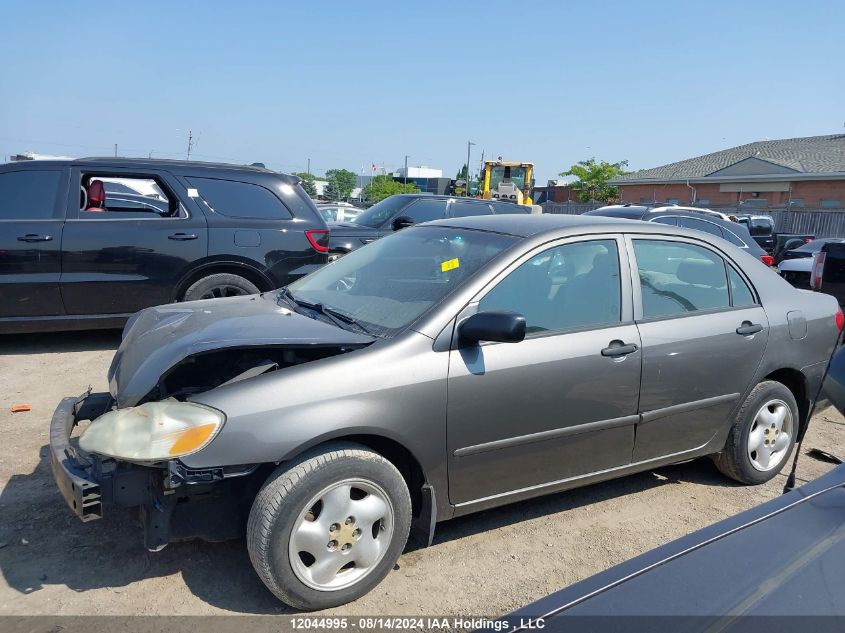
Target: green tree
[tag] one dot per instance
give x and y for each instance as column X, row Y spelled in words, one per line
column 462, row 173
column 341, row 182
column 593, row 177
column 308, row 183
column 381, row 187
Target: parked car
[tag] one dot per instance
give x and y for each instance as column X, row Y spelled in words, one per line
column 404, row 210
column 690, row 218
column 339, row 212
column 561, row 367
column 788, row 549
column 85, row 243
column 797, row 263
column 762, row 229
column 828, row 271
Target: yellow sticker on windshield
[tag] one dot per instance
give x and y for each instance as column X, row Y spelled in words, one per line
column 449, row 264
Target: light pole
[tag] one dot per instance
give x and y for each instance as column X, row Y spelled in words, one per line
column 405, row 183
column 469, row 147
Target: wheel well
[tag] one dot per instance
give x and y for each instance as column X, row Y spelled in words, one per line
column 795, row 381
column 247, row 273
column 397, row 455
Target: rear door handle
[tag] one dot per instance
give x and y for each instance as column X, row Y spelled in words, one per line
column 32, row 237
column 182, row 236
column 748, row 328
column 618, row 348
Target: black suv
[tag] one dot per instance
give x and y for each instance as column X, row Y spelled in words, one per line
column 85, row 243
column 401, row 211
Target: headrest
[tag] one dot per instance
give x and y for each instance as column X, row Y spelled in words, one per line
column 96, row 195
column 603, row 264
column 701, row 272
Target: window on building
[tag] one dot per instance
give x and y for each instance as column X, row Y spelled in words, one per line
column 828, row 203
column 28, row 195
column 703, row 202
column 796, row 202
column 756, row 202
column 672, row 201
column 240, row 199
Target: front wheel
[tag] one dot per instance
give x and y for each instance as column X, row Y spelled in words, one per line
column 762, row 436
column 326, row 529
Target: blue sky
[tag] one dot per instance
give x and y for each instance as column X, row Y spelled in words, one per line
column 351, row 83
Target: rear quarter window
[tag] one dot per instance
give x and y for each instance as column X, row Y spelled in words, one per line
column 463, row 209
column 29, row 195
column 240, row 199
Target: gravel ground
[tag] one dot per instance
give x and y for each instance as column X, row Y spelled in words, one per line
column 489, row 563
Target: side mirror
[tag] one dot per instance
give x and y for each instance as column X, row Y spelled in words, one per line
column 402, row 222
column 498, row 326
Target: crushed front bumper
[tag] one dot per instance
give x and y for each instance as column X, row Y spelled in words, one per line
column 212, row 501
column 74, row 473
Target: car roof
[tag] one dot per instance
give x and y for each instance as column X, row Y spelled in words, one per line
column 527, row 225
column 431, row 196
column 139, row 163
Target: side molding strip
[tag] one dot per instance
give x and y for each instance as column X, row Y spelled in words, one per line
column 547, row 435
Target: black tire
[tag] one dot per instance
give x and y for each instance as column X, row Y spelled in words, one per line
column 734, row 461
column 220, row 285
column 281, row 501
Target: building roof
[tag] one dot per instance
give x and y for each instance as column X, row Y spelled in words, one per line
column 789, row 158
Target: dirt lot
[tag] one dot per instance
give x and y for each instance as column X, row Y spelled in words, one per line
column 489, row 563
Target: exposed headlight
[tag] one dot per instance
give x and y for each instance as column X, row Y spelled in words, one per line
column 153, row 431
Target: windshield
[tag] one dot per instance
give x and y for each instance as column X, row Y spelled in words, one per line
column 380, row 212
column 388, row 284
column 500, row 174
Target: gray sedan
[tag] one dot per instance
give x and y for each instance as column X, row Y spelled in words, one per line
column 448, row 368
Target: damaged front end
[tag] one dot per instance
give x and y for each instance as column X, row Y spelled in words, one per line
column 172, row 502
column 129, row 453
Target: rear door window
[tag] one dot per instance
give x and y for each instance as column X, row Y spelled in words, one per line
column 29, row 195
column 701, row 225
column 240, row 199
column 677, row 278
column 464, row 208
column 425, row 210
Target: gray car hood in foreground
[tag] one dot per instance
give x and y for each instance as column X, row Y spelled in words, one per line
column 157, row 339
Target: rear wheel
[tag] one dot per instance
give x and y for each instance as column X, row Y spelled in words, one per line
column 325, row 530
column 220, row 285
column 763, row 435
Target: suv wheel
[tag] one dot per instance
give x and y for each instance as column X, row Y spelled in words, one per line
column 326, row 529
column 762, row 436
column 220, row 285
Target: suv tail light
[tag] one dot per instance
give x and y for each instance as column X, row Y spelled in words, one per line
column 818, row 270
column 768, row 260
column 840, row 319
column 319, row 239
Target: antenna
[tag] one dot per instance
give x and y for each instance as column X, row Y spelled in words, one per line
column 191, row 143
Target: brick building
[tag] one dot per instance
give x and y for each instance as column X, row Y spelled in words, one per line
column 795, row 173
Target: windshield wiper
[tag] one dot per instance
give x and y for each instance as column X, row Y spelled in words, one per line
column 340, row 319
column 345, row 318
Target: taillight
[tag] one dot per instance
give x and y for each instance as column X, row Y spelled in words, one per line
column 818, row 270
column 840, row 319
column 319, row 239
column 768, row 260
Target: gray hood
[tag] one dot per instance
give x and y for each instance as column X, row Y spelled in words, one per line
column 157, row 339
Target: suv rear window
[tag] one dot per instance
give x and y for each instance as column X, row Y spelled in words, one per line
column 28, row 195
column 240, row 199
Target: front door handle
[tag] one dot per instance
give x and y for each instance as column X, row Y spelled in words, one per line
column 618, row 348
column 182, row 236
column 748, row 328
column 32, row 237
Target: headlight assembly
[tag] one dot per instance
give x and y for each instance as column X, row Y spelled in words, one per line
column 153, row 431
